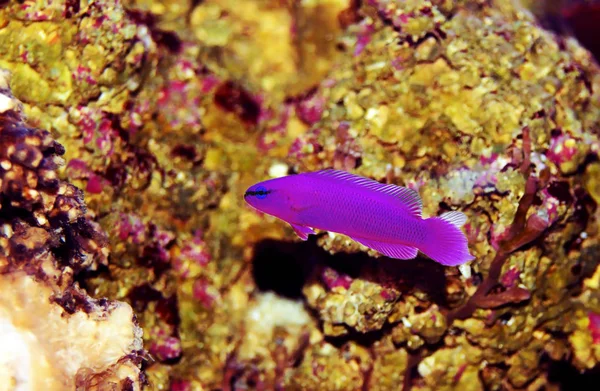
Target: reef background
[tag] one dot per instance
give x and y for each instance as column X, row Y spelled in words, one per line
column 164, row 112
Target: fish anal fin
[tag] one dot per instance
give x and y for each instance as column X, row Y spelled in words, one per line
column 302, row 231
column 392, row 250
column 409, row 198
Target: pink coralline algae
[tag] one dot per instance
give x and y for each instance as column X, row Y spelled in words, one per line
column 204, row 293
column 510, row 278
column 96, row 127
column 305, row 145
column 165, row 349
column 195, row 251
column 400, row 20
column 296, row 147
column 95, row 184
column 87, row 124
column 348, row 152
column 138, row 113
column 99, row 21
column 276, row 125
column 594, row 326
column 363, row 38
column 397, row 18
column 310, row 109
column 84, row 74
column 483, row 159
column 183, row 95
column 562, row 149
column 36, row 16
column 549, row 207
column 334, row 279
column 497, row 235
column 173, row 89
column 160, row 241
column 389, row 294
column 472, row 232
column 398, row 63
column 163, row 237
column 102, row 25
column 131, row 227
column 78, row 169
column 180, row 385
column 488, row 177
column 209, row 83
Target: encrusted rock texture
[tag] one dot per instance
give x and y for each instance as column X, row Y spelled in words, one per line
column 166, row 111
column 53, row 335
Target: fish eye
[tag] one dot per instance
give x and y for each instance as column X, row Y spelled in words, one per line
column 261, row 192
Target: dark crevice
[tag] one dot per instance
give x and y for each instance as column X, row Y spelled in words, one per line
column 101, row 271
column 578, row 19
column 285, row 267
column 140, row 296
column 10, row 213
column 363, row 339
column 233, row 98
column 564, row 375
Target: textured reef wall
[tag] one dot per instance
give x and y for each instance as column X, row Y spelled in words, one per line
column 53, row 335
column 167, row 111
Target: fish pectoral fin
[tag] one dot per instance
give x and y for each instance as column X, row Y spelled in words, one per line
column 392, row 250
column 302, row 231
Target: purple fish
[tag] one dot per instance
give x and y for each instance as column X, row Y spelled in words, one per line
column 386, row 218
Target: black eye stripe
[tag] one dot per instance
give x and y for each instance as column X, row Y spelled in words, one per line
column 259, row 192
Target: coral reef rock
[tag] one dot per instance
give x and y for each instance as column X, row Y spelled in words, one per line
column 169, row 110
column 53, row 335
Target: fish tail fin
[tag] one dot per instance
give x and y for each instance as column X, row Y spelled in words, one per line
column 446, row 243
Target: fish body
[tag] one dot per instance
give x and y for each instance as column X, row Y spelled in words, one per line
column 386, row 218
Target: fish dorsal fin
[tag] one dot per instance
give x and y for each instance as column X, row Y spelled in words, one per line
column 409, row 198
column 458, row 219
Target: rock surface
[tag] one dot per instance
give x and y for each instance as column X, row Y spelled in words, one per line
column 169, row 110
column 53, row 335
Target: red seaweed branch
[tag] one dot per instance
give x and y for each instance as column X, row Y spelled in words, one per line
column 511, row 295
column 522, row 231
